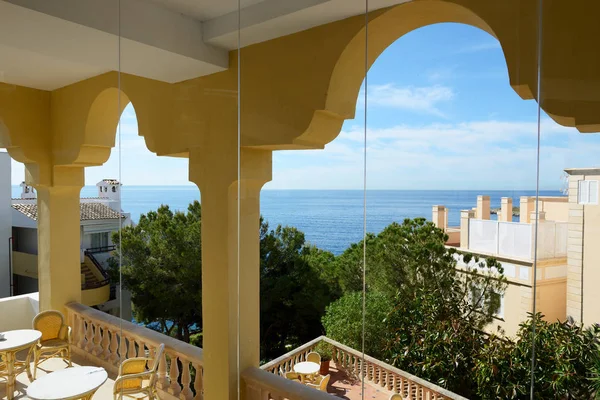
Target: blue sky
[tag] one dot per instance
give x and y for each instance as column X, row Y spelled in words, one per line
column 441, row 115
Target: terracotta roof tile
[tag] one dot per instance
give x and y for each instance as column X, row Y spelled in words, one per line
column 88, row 211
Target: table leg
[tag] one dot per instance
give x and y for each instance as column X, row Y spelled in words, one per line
column 10, row 379
column 28, row 363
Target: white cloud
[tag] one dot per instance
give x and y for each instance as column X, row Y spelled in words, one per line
column 419, row 99
column 469, row 155
column 475, row 48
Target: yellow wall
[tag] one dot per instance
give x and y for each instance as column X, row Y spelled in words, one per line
column 556, row 208
column 512, row 312
column 591, row 261
column 93, row 297
column 552, row 299
column 25, row 264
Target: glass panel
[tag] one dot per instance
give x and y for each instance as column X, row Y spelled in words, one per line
column 569, row 142
column 302, row 154
column 176, row 252
column 58, row 115
column 451, row 184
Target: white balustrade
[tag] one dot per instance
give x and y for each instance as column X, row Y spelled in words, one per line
column 350, row 361
column 107, row 340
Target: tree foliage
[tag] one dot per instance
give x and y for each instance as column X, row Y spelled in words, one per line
column 566, row 357
column 343, row 321
column 162, row 268
column 293, row 295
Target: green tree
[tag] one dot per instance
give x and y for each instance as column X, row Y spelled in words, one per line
column 437, row 306
column 162, row 268
column 566, row 361
column 343, row 321
column 293, row 294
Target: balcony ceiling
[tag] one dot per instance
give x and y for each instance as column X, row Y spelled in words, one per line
column 50, row 44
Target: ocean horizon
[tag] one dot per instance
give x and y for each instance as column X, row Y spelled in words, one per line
column 330, row 219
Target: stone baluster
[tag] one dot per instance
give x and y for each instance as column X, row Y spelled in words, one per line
column 122, row 348
column 97, row 350
column 89, row 337
column 81, row 332
column 198, row 382
column 105, row 343
column 174, row 388
column 163, row 381
column 131, row 353
column 114, row 345
column 186, row 380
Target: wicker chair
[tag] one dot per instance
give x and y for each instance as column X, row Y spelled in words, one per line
column 292, row 376
column 55, row 340
column 320, row 383
column 314, row 357
column 135, row 379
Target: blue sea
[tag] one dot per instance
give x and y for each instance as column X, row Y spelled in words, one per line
column 330, row 219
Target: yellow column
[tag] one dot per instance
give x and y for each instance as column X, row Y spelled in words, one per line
column 465, row 217
column 483, row 207
column 229, row 290
column 506, row 209
column 439, row 217
column 527, row 205
column 58, row 224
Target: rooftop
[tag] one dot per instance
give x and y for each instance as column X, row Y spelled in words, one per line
column 88, row 211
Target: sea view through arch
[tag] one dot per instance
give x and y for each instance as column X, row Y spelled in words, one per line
column 330, row 219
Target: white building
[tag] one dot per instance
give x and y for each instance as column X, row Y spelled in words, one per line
column 100, row 217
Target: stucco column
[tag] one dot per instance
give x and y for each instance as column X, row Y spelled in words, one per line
column 439, row 216
column 506, row 209
column 465, row 216
column 216, row 175
column 58, row 225
column 483, row 207
column 526, row 207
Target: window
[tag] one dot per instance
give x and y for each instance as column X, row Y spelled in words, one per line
column 492, row 299
column 588, row 192
column 99, row 239
column 498, row 300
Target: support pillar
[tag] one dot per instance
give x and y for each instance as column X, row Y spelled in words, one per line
column 527, row 206
column 465, row 216
column 58, row 226
column 483, row 207
column 215, row 172
column 439, row 217
column 506, row 209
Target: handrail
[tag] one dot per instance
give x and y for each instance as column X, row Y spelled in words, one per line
column 273, row 365
column 96, row 263
column 102, row 249
column 108, row 340
column 376, row 371
column 261, row 384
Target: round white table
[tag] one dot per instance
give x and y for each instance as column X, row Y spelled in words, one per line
column 306, row 368
column 13, row 342
column 69, row 383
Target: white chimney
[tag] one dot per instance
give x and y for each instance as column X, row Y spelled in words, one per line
column 109, row 189
column 27, row 192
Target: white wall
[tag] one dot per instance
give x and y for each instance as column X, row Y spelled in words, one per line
column 5, row 223
column 17, row 312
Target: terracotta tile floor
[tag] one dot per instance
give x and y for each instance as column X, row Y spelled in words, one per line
column 340, row 385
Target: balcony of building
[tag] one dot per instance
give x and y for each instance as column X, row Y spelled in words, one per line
column 225, row 93
column 103, row 340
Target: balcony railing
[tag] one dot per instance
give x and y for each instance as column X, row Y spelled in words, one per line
column 515, row 239
column 351, row 361
column 106, row 340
